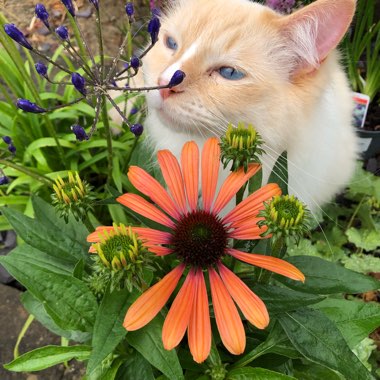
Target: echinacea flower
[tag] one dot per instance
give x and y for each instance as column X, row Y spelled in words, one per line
column 199, row 236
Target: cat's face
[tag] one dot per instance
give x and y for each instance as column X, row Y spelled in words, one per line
column 239, row 62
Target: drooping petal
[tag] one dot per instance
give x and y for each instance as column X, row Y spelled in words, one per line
column 270, row 263
column 251, row 206
column 147, row 306
column 199, row 330
column 152, row 236
column 227, row 317
column 158, row 250
column 252, row 307
column 210, row 169
column 190, row 171
column 173, row 177
column 232, row 185
column 94, row 237
column 249, row 230
column 141, row 206
column 149, row 186
column 92, row 249
column 177, row 320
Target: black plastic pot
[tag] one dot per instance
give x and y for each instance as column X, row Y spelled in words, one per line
column 369, row 143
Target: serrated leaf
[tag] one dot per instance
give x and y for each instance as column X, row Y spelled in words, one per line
column 108, row 329
column 365, row 239
column 249, row 373
column 45, row 357
column 324, row 277
column 318, row 339
column 148, row 342
column 355, row 319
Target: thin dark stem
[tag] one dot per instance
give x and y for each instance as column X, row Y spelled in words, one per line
column 136, row 89
column 108, row 137
column 66, row 104
column 100, row 42
column 129, row 76
column 119, row 111
column 52, row 62
column 116, row 59
column 96, row 118
column 143, row 54
column 88, row 224
column 84, row 64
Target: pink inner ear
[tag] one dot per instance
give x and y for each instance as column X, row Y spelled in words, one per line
column 318, row 28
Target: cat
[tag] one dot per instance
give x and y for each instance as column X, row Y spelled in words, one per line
column 246, row 63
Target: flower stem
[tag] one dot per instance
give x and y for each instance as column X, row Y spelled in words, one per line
column 88, row 224
column 100, row 42
column 108, row 137
column 39, row 177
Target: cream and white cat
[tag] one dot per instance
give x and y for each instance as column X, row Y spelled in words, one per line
column 245, row 62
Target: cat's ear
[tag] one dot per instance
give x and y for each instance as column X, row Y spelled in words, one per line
column 316, row 29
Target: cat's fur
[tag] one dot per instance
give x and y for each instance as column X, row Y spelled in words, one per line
column 295, row 92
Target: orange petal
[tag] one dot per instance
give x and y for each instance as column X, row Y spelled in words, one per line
column 92, row 249
column 177, row 320
column 227, row 317
column 149, row 186
column 144, row 208
column 190, row 171
column 173, row 177
column 252, row 204
column 147, row 306
column 270, row 263
column 252, row 307
column 232, row 185
column 199, row 330
column 249, row 230
column 210, row 169
column 94, row 236
column 158, row 250
column 152, row 236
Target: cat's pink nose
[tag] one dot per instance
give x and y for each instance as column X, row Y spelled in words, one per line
column 166, row 92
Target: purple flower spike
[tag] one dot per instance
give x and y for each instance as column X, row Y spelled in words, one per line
column 7, row 139
column 79, row 83
column 177, row 78
column 27, row 106
column 62, row 32
column 12, row 148
column 42, row 14
column 137, row 129
column 154, row 28
column 4, row 180
column 95, row 3
column 129, row 9
column 134, row 111
column 41, row 68
column 17, row 36
column 69, row 6
column 79, row 132
column 135, row 62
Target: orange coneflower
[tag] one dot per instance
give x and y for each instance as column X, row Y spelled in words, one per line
column 200, row 237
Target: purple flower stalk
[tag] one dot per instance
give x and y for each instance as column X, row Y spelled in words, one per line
column 4, row 180
column 12, row 148
column 7, row 139
column 41, row 68
column 17, row 36
column 79, row 132
column 177, row 78
column 135, row 62
column 154, row 28
column 69, row 6
column 79, row 83
column 27, row 106
column 137, row 129
column 42, row 14
column 95, row 3
column 129, row 9
column 62, row 32
column 134, row 111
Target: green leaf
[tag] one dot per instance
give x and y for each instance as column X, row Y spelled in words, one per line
column 108, row 329
column 355, row 319
column 312, row 371
column 318, row 339
column 46, row 357
column 279, row 173
column 148, row 342
column 362, row 263
column 324, row 277
column 136, row 367
column 255, row 182
column 278, row 300
column 67, row 300
column 248, row 373
column 52, row 240
column 368, row 240
column 37, row 309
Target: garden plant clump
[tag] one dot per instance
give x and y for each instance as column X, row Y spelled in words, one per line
column 141, row 277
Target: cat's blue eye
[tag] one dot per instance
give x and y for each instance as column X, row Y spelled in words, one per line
column 230, row 73
column 171, row 43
